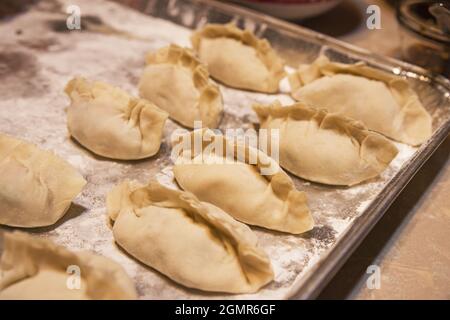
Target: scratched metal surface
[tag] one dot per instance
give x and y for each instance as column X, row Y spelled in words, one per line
column 38, row 55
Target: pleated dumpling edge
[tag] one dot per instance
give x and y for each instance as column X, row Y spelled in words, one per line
column 382, row 101
column 37, row 187
column 327, row 148
column 258, row 191
column 192, row 242
column 177, row 82
column 238, row 58
column 36, row 268
column 109, row 122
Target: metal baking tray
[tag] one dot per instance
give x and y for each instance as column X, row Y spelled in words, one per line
column 111, row 47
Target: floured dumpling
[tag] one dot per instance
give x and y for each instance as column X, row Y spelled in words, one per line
column 241, row 186
column 110, row 123
column 383, row 102
column 179, row 83
column 36, row 186
column 192, row 242
column 33, row 268
column 238, row 58
column 325, row 147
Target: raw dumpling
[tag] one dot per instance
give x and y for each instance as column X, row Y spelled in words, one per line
column 34, row 268
column 192, row 242
column 238, row 58
column 36, row 186
column 383, row 102
column 325, row 147
column 179, row 83
column 110, row 123
column 239, row 185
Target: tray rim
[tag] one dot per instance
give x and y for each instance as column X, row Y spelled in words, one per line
column 326, row 40
column 312, row 283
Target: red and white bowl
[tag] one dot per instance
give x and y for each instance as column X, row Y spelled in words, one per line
column 290, row 9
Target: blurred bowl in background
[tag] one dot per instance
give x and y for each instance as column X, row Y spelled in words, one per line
column 425, row 41
column 290, row 9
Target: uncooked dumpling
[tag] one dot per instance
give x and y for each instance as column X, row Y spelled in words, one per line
column 325, row 147
column 36, row 186
column 383, row 102
column 33, row 268
column 110, row 123
column 179, row 83
column 238, row 58
column 240, row 186
column 194, row 243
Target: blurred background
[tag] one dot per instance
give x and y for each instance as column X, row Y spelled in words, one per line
column 417, row 31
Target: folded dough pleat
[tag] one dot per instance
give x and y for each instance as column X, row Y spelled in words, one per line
column 324, row 147
column 36, row 268
column 238, row 58
column 110, row 123
column 36, row 186
column 256, row 192
column 177, row 82
column 383, row 102
column 194, row 243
